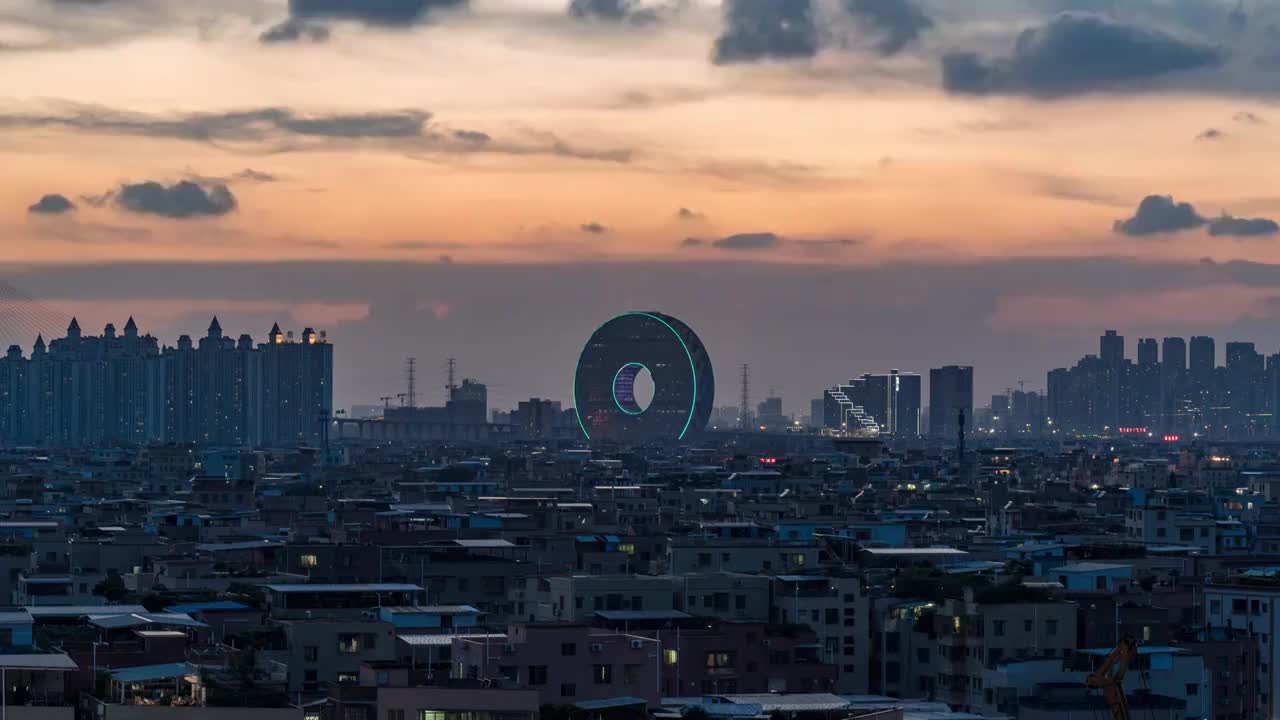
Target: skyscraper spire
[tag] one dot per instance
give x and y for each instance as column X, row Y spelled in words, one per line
column 215, row 330
column 131, row 328
column 73, row 330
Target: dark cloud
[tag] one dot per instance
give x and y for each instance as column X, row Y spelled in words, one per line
column 748, row 241
column 1158, row 214
column 827, row 242
column 183, row 200
column 1238, row 19
column 1077, row 52
column 238, row 126
column 472, row 136
column 1211, row 134
column 967, row 72
column 898, row 22
column 685, row 213
column 1269, row 58
column 387, row 13
column 285, row 130
column 613, row 11
column 1161, row 214
column 593, row 228
column 52, row 204
column 294, row 30
column 762, row 241
column 1229, row 226
column 757, row 30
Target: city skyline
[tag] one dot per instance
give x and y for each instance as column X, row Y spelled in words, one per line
column 927, row 399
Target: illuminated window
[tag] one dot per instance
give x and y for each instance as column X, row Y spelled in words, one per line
column 348, row 678
column 308, row 561
column 627, row 548
column 797, row 560
column 431, row 715
column 348, row 644
column 671, row 657
column 955, row 624
column 719, row 660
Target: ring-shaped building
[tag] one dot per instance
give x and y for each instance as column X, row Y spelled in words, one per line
column 615, row 356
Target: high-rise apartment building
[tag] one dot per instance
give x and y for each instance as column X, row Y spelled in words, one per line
column 950, row 393
column 127, row 390
column 1173, row 378
column 887, row 404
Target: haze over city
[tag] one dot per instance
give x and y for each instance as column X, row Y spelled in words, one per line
column 819, row 188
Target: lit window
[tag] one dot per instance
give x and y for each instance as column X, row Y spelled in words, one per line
column 308, row 561
column 627, row 548
column 671, row 656
column 719, row 660
column 431, row 715
column 348, row 644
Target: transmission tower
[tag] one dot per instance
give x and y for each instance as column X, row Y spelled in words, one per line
column 745, row 412
column 412, row 394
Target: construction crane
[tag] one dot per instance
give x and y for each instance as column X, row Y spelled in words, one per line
column 1109, row 677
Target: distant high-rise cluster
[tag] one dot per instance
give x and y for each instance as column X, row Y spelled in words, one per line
column 1169, row 392
column 126, row 389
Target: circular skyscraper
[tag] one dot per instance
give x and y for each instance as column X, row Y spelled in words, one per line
column 617, row 355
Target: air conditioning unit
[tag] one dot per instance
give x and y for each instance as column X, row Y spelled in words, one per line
column 637, row 644
column 597, row 648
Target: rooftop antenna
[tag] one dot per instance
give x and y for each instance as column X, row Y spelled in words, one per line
column 386, row 402
column 746, row 396
column 412, row 394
